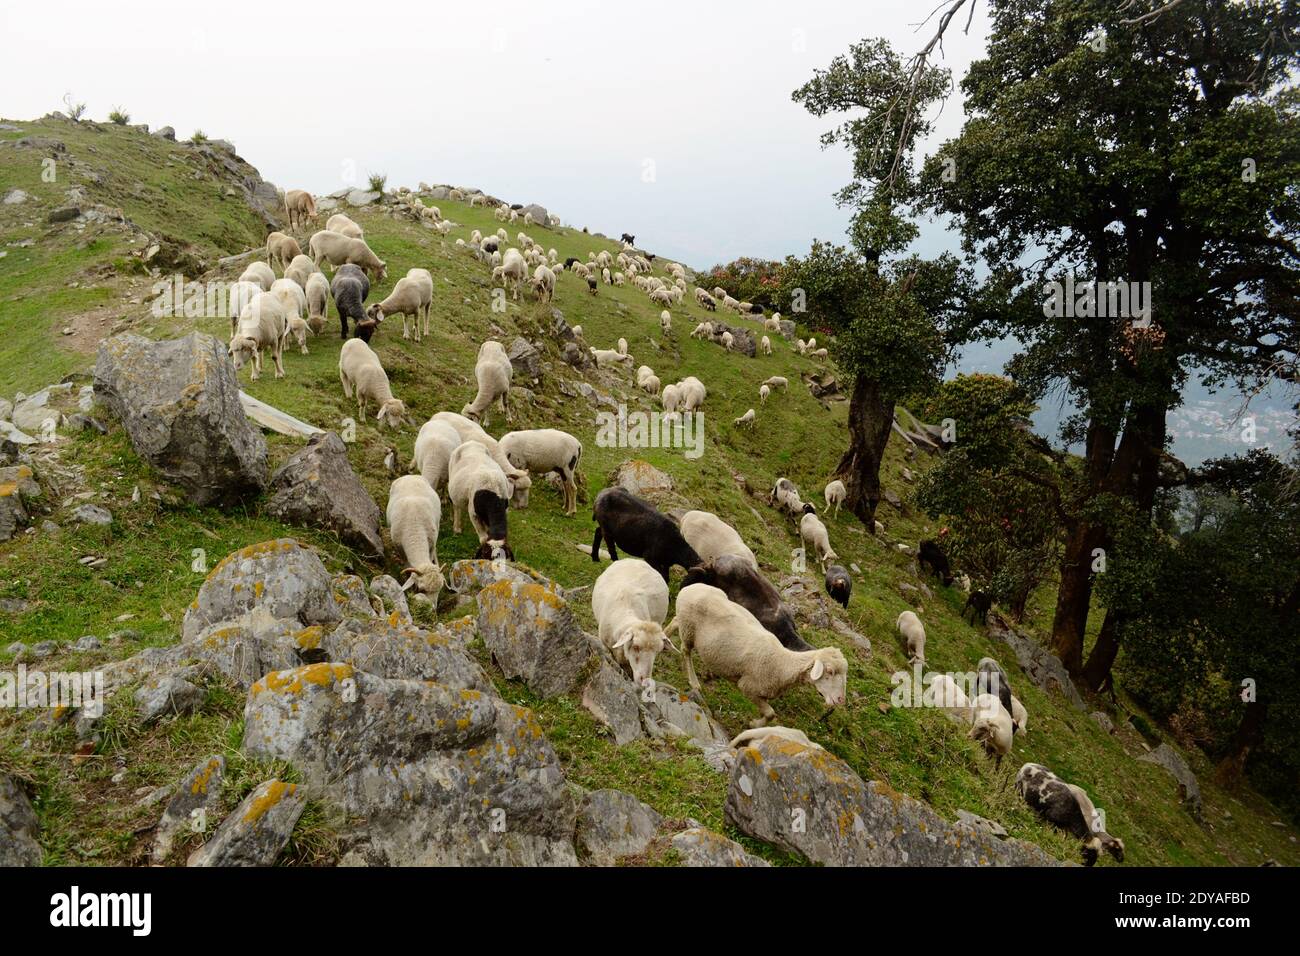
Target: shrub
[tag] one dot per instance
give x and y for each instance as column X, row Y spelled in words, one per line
column 119, row 116
column 377, row 182
column 199, row 137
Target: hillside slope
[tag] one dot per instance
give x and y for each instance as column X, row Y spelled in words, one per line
column 89, row 276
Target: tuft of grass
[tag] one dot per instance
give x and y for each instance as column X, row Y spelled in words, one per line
column 198, row 137
column 378, row 181
column 119, row 116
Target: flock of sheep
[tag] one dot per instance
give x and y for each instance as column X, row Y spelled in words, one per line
column 727, row 613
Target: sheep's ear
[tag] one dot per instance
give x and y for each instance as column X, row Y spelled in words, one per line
column 818, row 669
column 410, row 583
column 669, row 642
column 627, row 636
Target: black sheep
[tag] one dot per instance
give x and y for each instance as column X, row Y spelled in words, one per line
column 838, row 584
column 641, row 530
column 350, row 289
column 743, row 585
column 591, row 286
column 570, row 262
column 629, row 239
column 755, row 310
column 930, row 553
column 991, row 678
column 1067, row 808
column 980, row 603
column 491, row 511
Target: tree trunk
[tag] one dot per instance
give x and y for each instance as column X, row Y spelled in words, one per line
column 1097, row 672
column 870, row 421
column 1249, row 733
column 1074, row 595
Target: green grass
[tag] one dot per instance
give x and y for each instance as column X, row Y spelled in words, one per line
column 87, row 818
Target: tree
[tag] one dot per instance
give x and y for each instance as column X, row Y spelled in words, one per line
column 1159, row 153
column 747, row 279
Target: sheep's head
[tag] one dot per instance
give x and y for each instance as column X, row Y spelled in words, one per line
column 640, row 643
column 494, row 551
column 381, row 271
column 375, row 312
column 392, row 413
column 427, row 579
column 241, row 349
column 829, row 673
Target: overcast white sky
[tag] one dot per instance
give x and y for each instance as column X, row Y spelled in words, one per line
column 558, row 103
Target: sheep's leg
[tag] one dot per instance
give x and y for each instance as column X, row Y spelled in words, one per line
column 595, row 546
column 347, row 387
column 765, row 713
column 691, row 677
column 278, row 356
column 455, row 517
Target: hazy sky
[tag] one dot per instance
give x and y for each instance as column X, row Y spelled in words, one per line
column 574, row 105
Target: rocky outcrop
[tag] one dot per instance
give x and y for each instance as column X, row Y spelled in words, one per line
column 1042, row 666
column 193, row 806
column 612, row 824
column 532, row 635
column 1189, row 789
column 19, row 491
column 179, row 403
column 317, row 488
column 641, row 478
column 258, row 829
column 700, row 847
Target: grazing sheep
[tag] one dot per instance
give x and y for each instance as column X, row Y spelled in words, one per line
column 755, row 734
column 665, row 322
column 992, row 679
column 706, row 301
column 626, row 521
column 778, row 381
column 693, row 393
column 814, row 535
column 711, row 537
column 979, row 604
column 630, row 603
column 493, row 372
column 259, row 273
column 821, row 353
column 1067, row 808
column 291, row 297
column 773, row 324
column 476, row 484
column 913, row 631
column 338, row 249
column 944, row 693
column 300, row 270
column 544, row 450
column 281, row 248
column 469, row 430
column 513, row 271
column 786, row 497
column 414, row 515
column 607, row 357
column 411, row 298
column 746, row 420
column 703, row 331
column 300, row 207
column 991, row 726
column 930, row 553
column 728, row 340
column 720, row 293
column 622, row 346
column 737, row 577
column 544, row 283
column 671, row 399
column 350, row 288
column 263, row 324
column 838, row 584
column 1019, row 716
column 361, row 371
column 734, row 645
column 432, row 456
column 766, row 345
column 241, row 293
column 835, row 495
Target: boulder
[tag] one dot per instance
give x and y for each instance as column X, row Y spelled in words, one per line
column 539, row 213
column 167, row 694
column 1189, row 790
column 258, row 829
column 393, row 598
column 742, row 339
column 402, row 651
column 15, row 197
column 165, row 132
column 18, row 825
column 18, row 490
column 641, row 478
column 429, row 775
column 532, row 635
column 700, row 847
column 362, row 197
column 194, row 805
column 672, row 712
column 32, row 413
column 317, row 488
column 1102, row 720
column 613, row 824
column 612, row 699
column 179, row 403
column 283, row 577
column 467, row 578
column 525, row 360
column 808, row 801
column 92, row 515
column 1040, row 665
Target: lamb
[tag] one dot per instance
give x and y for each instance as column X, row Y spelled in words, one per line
column 411, row 298
column 835, row 495
column 979, row 603
column 737, row 577
column 544, row 450
column 300, row 270
column 471, row 431
column 513, row 271
column 641, row 530
column 281, row 248
column 361, row 371
column 259, row 273
column 814, row 536
column 350, row 288
column 747, row 737
column 1067, row 807
column 493, row 372
column 665, row 322
column 262, row 325
column 477, row 484
column 414, row 515
column 778, row 381
column 838, row 584
column 622, row 346
column 693, row 393
column 432, row 456
column 732, row 644
column 544, row 283
column 930, row 553
column 712, row 537
column 913, row 631
column 703, row 330
column 630, row 603
column 300, row 206
column 607, row 357
column 992, row 727
column 992, row 679
column 339, row 250
column 746, row 420
column 766, row 345
column 728, row 340
column 241, row 293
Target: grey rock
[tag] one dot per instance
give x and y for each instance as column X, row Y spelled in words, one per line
column 6, row 409
column 257, row 831
column 742, row 342
column 18, row 489
column 700, row 847
column 393, row 597
column 539, row 214
column 63, row 214
column 165, row 132
column 977, row 822
column 673, row 713
column 362, row 197
column 1189, row 790
column 525, row 360
column 167, row 694
column 81, row 422
column 317, row 488
column 1103, row 721
column 18, row 825
column 532, row 635
column 87, row 643
column 893, row 500
column 613, row 824
column 15, row 197
column 43, row 650
column 1040, row 665
column 641, row 478
column 194, row 804
column 404, row 652
column 179, row 403
column 92, row 514
column 13, row 605
column 613, row 700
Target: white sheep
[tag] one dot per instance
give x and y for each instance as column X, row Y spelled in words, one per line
column 991, row 726
column 835, row 495
column 259, row 273
column 282, row 249
column 545, row 450
column 732, row 644
column 630, row 602
column 766, row 345
column 643, row 374
column 815, row 537
column 318, row 300
column 361, row 371
column 786, row 496
column 477, row 485
column 728, row 340
column 493, row 372
column 773, row 324
column 263, row 324
column 665, row 321
column 469, row 430
column 432, row 456
column 240, row 294
column 622, row 346
column 337, row 249
column 746, row 420
column 671, row 398
column 512, row 272
column 608, row 357
column 703, row 331
column 944, row 693
column 711, row 537
column 544, row 283
column 344, row 226
column 693, row 393
column 291, row 296
column 778, row 381
column 747, row 737
column 1019, row 715
column 763, row 392
column 913, row 631
column 414, row 514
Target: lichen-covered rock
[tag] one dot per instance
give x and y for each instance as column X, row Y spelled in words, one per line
column 613, row 700
column 525, row 360
column 700, row 847
column 676, row 714
column 467, row 578
column 1189, row 790
column 18, row 489
column 430, row 774
column 18, row 825
column 641, row 478
column 808, row 801
column 192, row 807
column 389, row 648
column 390, row 593
column 245, row 648
column 613, row 824
column 532, row 635
column 352, row 598
column 282, row 576
column 179, row 403
column 258, row 829
column 742, row 340
column 167, row 694
column 317, row 488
